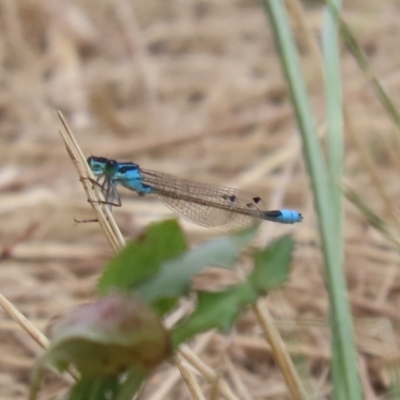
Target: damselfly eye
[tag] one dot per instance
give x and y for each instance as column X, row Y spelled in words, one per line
column 111, row 167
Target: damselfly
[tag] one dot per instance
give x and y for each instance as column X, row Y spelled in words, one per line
column 201, row 203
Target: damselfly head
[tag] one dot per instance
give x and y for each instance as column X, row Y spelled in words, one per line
column 102, row 165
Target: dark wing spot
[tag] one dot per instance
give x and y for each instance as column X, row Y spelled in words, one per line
column 256, row 199
column 225, row 196
column 232, row 198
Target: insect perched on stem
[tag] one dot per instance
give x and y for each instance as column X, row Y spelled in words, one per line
column 201, row 203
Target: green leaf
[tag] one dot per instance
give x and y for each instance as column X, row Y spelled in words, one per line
column 108, row 389
column 102, row 340
column 174, row 277
column 131, row 385
column 108, row 336
column 215, row 310
column 94, row 389
column 142, row 258
column 219, row 310
column 272, row 265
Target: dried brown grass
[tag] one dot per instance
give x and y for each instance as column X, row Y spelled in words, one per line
column 193, row 89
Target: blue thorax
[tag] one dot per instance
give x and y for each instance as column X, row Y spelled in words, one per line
column 129, row 176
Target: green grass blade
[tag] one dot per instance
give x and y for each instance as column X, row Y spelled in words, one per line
column 362, row 61
column 327, row 207
column 374, row 220
column 334, row 111
column 335, row 151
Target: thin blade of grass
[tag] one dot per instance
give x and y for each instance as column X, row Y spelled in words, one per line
column 362, row 61
column 389, row 209
column 372, row 217
column 335, row 152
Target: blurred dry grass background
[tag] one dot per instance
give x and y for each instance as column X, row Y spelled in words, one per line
column 192, row 88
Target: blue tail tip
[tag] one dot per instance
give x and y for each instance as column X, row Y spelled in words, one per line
column 290, row 217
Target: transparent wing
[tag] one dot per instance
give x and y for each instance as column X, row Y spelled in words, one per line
column 109, row 191
column 204, row 204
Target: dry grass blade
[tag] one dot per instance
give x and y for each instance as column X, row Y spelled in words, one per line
column 27, row 326
column 279, row 350
column 164, row 389
column 208, row 373
column 191, row 383
column 93, row 192
column 24, row 323
column 236, row 379
column 370, row 167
